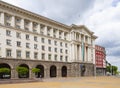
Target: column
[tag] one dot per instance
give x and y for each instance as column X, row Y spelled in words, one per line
column 75, row 36
column 13, row 21
column 31, row 26
column 38, row 28
column 73, row 51
column 79, row 37
column 2, row 19
column 57, row 33
column 51, row 32
column 22, row 24
column 85, row 53
column 80, row 58
column 76, row 52
column 30, row 73
column 14, row 73
column 62, row 35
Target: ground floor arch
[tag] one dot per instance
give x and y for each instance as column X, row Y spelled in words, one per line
column 5, row 74
column 24, row 75
column 41, row 73
column 64, row 71
column 53, row 71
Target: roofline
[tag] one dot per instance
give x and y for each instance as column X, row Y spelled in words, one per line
column 33, row 14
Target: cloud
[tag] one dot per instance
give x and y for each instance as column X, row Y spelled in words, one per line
column 100, row 16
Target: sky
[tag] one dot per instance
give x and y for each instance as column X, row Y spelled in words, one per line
column 100, row 16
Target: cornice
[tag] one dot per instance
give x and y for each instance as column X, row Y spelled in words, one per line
column 34, row 15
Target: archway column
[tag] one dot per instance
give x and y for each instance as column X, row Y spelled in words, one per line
column 47, row 73
column 58, row 73
column 14, row 74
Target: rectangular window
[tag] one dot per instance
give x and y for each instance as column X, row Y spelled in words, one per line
column 8, row 52
column 18, row 44
column 27, row 54
column 42, row 40
column 66, row 51
column 61, row 50
column 61, row 58
column 55, row 49
column 60, row 43
column 66, row 45
column 18, row 35
column 55, row 57
column 49, row 49
column 43, row 47
column 49, row 56
column 27, row 37
column 8, row 42
column 55, row 42
column 27, row 45
column 43, row 56
column 18, row 52
column 49, row 41
column 35, row 38
column 35, row 46
column 66, row 58
column 35, row 55
column 8, row 33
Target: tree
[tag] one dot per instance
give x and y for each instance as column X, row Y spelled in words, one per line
column 4, row 71
column 36, row 70
column 112, row 69
column 22, row 71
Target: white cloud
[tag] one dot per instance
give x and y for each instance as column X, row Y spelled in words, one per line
column 100, row 16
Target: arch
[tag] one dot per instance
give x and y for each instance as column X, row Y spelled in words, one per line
column 53, row 72
column 41, row 73
column 26, row 75
column 64, row 71
column 5, row 75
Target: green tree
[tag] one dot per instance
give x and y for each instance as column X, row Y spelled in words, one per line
column 36, row 70
column 4, row 71
column 114, row 70
column 22, row 71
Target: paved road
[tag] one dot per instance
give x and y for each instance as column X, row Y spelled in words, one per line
column 81, row 82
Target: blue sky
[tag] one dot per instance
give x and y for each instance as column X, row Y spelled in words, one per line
column 100, row 16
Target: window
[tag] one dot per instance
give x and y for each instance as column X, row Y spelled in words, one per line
column 60, row 43
column 27, row 54
column 42, row 40
column 61, row 51
column 66, row 45
column 61, row 58
column 55, row 42
column 55, row 57
column 8, row 52
column 8, row 42
column 43, row 56
column 27, row 37
column 8, row 33
column 35, row 46
column 18, row 35
column 18, row 52
column 17, row 26
column 35, row 38
column 35, row 55
column 49, row 41
column 66, row 51
column 55, row 49
column 49, row 49
column 8, row 24
column 49, row 56
column 66, row 58
column 18, row 44
column 43, row 47
column 27, row 45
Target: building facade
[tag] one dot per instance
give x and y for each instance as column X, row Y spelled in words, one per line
column 100, row 58
column 30, row 40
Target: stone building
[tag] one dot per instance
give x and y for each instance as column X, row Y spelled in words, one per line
column 33, row 41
